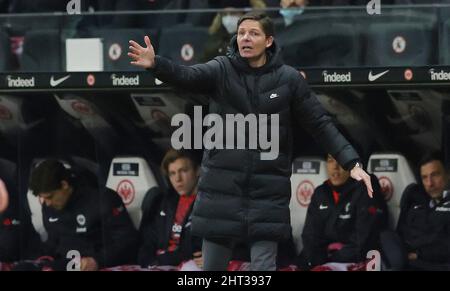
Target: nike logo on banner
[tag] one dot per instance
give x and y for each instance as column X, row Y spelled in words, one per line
column 377, row 76
column 51, row 219
column 274, row 95
column 321, row 207
column 55, row 83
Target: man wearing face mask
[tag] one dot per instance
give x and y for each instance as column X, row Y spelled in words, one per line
column 224, row 26
column 290, row 9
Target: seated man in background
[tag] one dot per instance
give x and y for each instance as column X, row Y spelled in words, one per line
column 342, row 223
column 80, row 218
column 165, row 228
column 424, row 223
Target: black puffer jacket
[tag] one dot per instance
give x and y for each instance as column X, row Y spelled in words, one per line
column 159, row 211
column 241, row 196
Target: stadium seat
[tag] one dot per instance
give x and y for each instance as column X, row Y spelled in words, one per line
column 42, row 51
column 394, row 174
column 115, row 46
column 157, row 110
column 400, row 43
column 131, row 178
column 92, row 119
column 307, row 174
column 183, row 44
column 310, row 41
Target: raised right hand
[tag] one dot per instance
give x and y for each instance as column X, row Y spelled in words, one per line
column 142, row 57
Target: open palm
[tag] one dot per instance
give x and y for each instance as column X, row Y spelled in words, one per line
column 143, row 57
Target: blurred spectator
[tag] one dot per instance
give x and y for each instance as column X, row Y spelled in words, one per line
column 77, row 217
column 220, row 34
column 290, row 9
column 224, row 25
column 165, row 228
column 342, row 223
column 424, row 222
column 156, row 20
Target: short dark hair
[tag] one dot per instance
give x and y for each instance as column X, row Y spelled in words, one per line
column 173, row 155
column 265, row 21
column 48, row 175
column 432, row 156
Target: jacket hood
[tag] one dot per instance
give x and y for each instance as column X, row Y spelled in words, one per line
column 274, row 59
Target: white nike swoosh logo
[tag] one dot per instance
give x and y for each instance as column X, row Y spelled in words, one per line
column 273, row 96
column 55, row 83
column 323, row 207
column 51, row 219
column 377, row 76
column 162, row 213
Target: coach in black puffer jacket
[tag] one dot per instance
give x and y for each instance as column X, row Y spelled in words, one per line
column 240, row 195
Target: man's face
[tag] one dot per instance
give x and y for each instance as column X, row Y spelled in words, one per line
column 337, row 175
column 434, row 178
column 183, row 176
column 57, row 199
column 252, row 41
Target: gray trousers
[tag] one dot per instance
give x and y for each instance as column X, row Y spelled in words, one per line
column 217, row 254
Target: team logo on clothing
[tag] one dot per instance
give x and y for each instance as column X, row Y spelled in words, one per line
column 387, row 189
column 176, row 229
column 304, row 193
column 322, row 207
column 81, row 220
column 126, row 191
column 347, row 207
column 303, row 74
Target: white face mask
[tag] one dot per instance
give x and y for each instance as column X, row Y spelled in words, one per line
column 289, row 14
column 230, row 23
